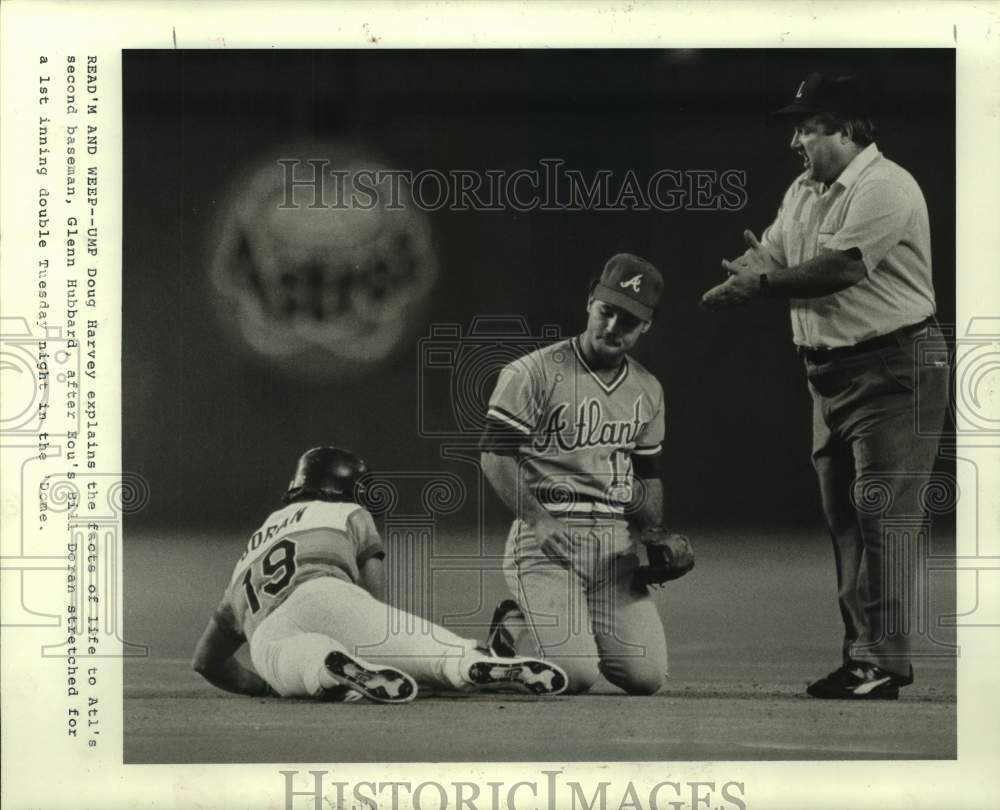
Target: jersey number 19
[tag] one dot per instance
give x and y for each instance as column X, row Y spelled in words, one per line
column 278, row 567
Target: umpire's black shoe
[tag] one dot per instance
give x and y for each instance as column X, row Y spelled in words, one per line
column 859, row 681
column 500, row 641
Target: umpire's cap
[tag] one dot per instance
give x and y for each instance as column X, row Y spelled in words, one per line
column 844, row 95
column 327, row 474
column 632, row 284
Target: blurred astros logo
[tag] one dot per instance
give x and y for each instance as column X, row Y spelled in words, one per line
column 318, row 273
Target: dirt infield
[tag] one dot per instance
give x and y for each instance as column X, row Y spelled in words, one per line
column 746, row 631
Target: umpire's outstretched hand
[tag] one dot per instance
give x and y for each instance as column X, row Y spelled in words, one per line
column 743, row 284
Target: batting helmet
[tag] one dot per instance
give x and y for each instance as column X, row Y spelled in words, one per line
column 327, row 474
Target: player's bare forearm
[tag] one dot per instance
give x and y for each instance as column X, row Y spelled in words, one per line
column 647, row 506
column 213, row 660
column 502, row 472
column 232, row 676
column 373, row 578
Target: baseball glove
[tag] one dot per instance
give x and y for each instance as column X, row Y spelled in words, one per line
column 670, row 557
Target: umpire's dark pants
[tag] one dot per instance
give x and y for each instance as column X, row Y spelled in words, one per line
column 876, row 418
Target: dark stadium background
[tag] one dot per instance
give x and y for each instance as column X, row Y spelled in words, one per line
column 216, row 433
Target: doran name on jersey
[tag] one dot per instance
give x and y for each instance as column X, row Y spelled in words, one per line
column 265, row 533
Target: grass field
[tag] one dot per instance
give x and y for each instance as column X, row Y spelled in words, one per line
column 747, row 629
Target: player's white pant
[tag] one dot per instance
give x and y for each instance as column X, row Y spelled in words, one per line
column 325, row 614
column 581, row 612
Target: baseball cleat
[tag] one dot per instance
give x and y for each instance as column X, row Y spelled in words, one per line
column 500, row 641
column 521, row 674
column 339, row 694
column 382, row 684
column 858, row 681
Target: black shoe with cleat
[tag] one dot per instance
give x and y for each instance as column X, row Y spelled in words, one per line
column 531, row 675
column 383, row 684
column 859, row 681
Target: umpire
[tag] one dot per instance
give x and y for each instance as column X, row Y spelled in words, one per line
column 850, row 251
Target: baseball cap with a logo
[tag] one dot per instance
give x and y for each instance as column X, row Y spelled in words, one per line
column 632, row 284
column 817, row 93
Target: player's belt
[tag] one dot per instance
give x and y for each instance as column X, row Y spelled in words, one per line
column 583, row 508
column 839, row 352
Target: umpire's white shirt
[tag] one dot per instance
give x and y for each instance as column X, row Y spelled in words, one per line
column 877, row 207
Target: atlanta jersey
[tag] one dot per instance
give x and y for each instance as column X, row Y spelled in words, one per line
column 300, row 542
column 574, row 433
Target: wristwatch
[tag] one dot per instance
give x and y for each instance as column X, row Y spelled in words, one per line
column 765, row 285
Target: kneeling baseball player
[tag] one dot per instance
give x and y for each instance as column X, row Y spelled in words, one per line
column 569, row 429
column 306, row 596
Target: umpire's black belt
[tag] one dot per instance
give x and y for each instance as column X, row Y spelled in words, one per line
column 840, row 352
